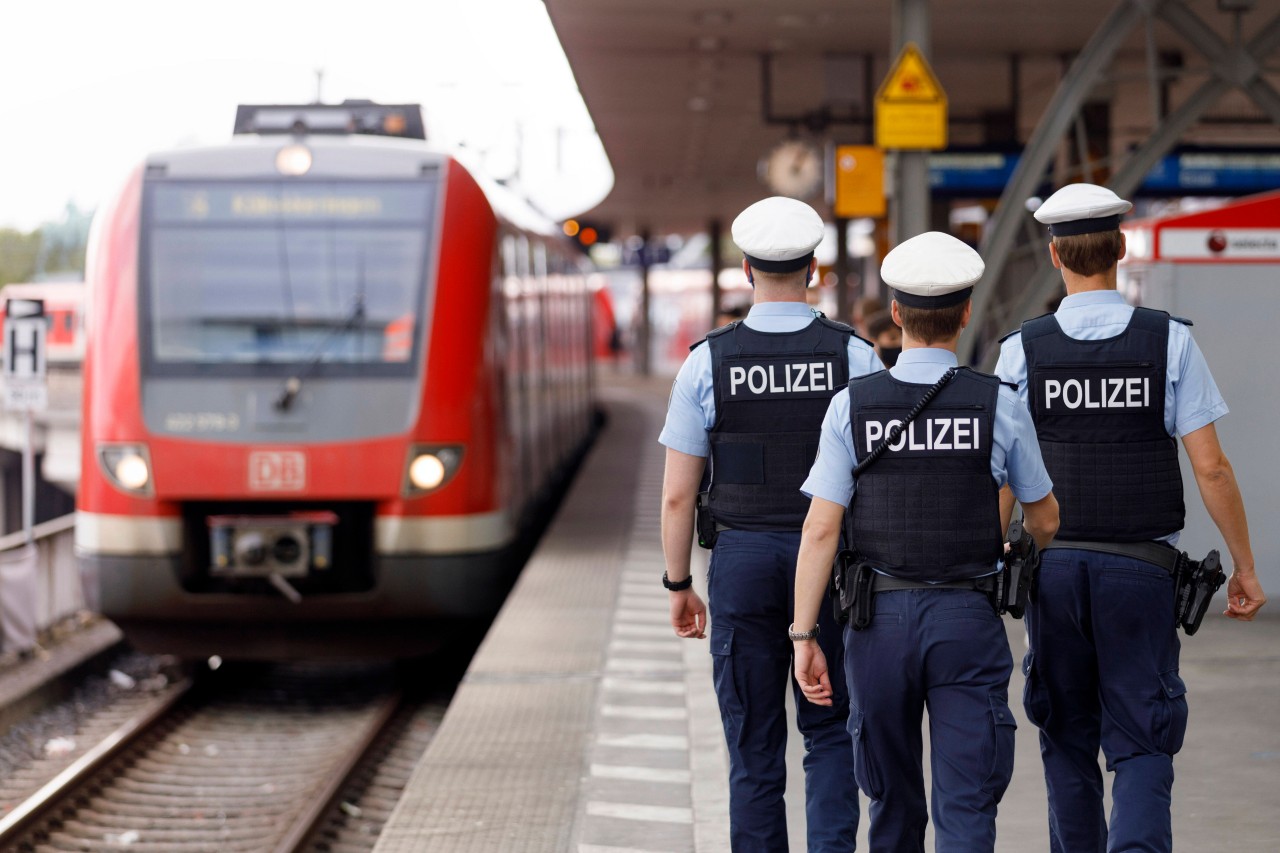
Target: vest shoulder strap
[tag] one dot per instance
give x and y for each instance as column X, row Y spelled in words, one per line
column 842, row 327
column 981, row 376
column 714, row 333
column 1039, row 327
column 1150, row 320
column 866, row 379
column 834, row 324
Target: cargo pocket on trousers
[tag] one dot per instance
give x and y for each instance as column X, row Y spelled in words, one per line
column 1174, row 695
column 731, row 709
column 1035, row 698
column 1003, row 727
column 864, row 766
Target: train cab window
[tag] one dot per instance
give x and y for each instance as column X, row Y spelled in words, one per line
column 259, row 277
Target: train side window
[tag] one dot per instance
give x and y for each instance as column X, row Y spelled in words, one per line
column 522, row 257
column 540, row 260
column 509, row 255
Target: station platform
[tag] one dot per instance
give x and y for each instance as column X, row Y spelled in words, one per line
column 584, row 724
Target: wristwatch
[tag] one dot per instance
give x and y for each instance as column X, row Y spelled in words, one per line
column 795, row 635
column 676, row 586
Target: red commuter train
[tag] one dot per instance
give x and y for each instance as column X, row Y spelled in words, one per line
column 330, row 380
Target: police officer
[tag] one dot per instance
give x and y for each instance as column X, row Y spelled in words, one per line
column 751, row 396
column 926, row 520
column 1109, row 386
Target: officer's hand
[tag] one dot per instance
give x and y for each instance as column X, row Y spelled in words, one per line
column 688, row 614
column 1244, row 596
column 811, row 672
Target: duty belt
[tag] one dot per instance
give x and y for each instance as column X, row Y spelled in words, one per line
column 888, row 583
column 1159, row 554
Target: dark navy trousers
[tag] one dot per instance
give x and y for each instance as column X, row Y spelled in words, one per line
column 1102, row 671
column 751, row 595
column 944, row 650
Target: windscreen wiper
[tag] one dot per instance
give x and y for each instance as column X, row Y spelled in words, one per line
column 293, row 384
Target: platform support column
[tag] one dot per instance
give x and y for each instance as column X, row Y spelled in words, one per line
column 911, row 184
column 715, row 233
column 844, row 296
column 644, row 357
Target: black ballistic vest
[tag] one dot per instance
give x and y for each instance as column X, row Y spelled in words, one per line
column 928, row 509
column 1098, row 407
column 771, row 393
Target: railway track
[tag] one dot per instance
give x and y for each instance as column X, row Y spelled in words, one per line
column 279, row 758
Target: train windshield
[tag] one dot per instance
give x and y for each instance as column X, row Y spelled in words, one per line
column 260, row 277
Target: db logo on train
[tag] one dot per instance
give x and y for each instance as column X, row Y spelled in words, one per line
column 277, row 471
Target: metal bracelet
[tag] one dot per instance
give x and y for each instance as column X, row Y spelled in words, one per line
column 796, row 636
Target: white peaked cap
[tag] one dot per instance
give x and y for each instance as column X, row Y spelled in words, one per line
column 932, row 270
column 778, row 234
column 1082, row 209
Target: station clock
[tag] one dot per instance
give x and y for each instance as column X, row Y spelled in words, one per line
column 793, row 168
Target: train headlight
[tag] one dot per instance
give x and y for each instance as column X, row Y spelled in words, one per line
column 293, row 160
column 426, row 472
column 127, row 466
column 430, row 467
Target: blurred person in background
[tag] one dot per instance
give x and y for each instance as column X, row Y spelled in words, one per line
column 886, row 335
column 863, row 308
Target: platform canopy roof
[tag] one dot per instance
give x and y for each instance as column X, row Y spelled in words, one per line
column 675, row 87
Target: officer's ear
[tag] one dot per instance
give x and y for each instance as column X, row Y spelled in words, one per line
column 1124, row 248
column 746, row 268
column 968, row 313
column 1053, row 255
column 813, row 266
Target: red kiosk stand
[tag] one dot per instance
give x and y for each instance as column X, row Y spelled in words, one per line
column 1220, row 268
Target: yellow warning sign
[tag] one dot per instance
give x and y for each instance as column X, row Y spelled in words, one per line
column 859, row 181
column 911, row 107
column 911, row 79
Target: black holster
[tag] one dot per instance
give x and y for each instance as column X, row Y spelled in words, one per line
column 1015, row 582
column 1195, row 582
column 854, row 598
column 704, row 524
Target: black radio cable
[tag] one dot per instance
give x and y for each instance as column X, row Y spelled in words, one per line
column 896, row 432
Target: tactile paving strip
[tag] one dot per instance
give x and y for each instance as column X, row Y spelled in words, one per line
column 506, row 769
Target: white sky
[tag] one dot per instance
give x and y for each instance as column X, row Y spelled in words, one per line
column 88, row 88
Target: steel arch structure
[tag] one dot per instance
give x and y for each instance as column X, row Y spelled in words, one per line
column 1019, row 276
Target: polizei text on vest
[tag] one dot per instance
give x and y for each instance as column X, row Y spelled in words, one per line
column 1131, row 392
column 781, row 378
column 927, row 434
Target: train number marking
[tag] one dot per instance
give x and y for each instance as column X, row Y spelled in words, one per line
column 202, row 422
column 277, row 471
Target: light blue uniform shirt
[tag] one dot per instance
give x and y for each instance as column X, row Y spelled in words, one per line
column 1191, row 397
column 1015, row 451
column 692, row 410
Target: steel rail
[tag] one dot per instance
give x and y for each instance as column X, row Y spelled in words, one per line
column 308, row 823
column 36, row 807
